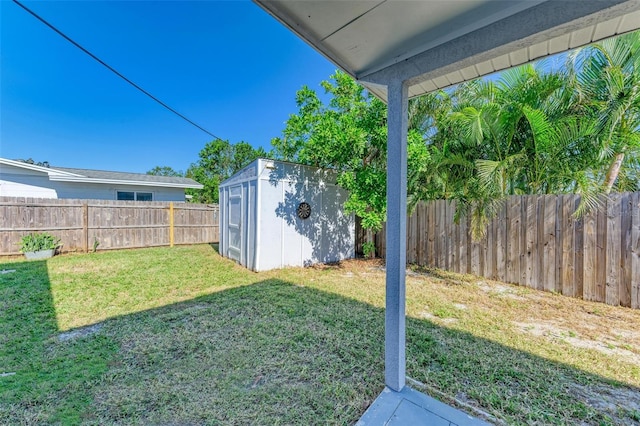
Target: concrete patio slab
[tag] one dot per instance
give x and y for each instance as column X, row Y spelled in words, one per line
column 410, row 407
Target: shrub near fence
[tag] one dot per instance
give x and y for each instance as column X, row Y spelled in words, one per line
column 106, row 224
column 535, row 241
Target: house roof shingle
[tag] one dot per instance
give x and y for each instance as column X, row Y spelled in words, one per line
column 125, row 176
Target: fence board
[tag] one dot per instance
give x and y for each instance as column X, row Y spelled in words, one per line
column 441, row 241
column 589, row 255
column 481, row 256
column 539, row 242
column 568, row 246
column 559, row 237
column 532, row 242
column 540, row 277
column 455, row 240
column 601, row 261
column 84, row 225
column 449, row 234
column 431, row 233
column 424, row 235
column 491, row 243
column 549, row 250
column 635, row 251
column 475, row 255
column 613, row 254
column 501, row 244
column 463, row 244
column 625, row 249
column 522, row 224
column 412, row 236
column 579, row 248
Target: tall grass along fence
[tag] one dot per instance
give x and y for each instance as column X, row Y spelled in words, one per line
column 87, row 225
column 536, row 241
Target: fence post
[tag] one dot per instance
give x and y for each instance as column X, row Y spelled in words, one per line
column 85, row 227
column 171, row 224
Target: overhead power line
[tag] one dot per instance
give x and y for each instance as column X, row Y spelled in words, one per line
column 110, row 68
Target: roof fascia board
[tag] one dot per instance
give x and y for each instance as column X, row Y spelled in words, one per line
column 82, row 179
column 47, row 170
column 272, row 9
column 455, row 32
column 538, row 23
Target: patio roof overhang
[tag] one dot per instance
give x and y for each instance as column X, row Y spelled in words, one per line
column 399, row 49
column 433, row 44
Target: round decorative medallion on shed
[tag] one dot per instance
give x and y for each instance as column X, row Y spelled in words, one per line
column 303, row 210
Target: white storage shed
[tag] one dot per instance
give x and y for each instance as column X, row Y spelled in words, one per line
column 275, row 214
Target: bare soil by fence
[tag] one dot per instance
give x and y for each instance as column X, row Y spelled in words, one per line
column 85, row 225
column 535, row 241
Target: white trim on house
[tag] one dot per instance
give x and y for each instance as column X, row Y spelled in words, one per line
column 47, row 170
column 83, row 179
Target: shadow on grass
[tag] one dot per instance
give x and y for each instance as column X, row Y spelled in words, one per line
column 42, row 381
column 269, row 353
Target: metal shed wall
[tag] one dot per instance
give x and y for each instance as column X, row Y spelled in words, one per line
column 259, row 225
column 238, row 214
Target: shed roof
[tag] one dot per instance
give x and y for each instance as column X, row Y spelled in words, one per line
column 433, row 44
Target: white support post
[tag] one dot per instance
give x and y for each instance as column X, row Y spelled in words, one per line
column 396, row 253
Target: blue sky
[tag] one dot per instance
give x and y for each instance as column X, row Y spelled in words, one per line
column 228, row 66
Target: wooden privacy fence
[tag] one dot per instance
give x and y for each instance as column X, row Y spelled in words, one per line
column 535, row 241
column 85, row 225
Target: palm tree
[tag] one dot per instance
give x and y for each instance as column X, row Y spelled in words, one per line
column 516, row 134
column 608, row 88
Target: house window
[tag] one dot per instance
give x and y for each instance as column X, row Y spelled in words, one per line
column 134, row 196
column 126, row 196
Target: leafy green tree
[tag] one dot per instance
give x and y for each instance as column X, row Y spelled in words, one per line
column 36, row 163
column 219, row 159
column 165, row 171
column 348, row 135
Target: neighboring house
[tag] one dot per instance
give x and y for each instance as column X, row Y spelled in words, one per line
column 19, row 179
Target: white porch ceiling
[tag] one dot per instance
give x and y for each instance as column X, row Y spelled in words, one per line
column 434, row 44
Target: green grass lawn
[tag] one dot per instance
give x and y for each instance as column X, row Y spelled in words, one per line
column 182, row 336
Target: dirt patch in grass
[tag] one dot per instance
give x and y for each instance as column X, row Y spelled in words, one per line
column 79, row 332
column 609, row 344
column 609, row 398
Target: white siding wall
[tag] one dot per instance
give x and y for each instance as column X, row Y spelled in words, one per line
column 328, row 235
column 26, row 186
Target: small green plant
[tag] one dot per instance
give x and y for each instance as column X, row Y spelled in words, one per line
column 369, row 249
column 38, row 241
column 96, row 243
column 444, row 312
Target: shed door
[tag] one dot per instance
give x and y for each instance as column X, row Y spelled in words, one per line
column 235, row 223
